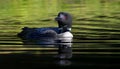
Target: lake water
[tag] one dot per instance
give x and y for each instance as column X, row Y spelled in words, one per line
column 96, row 30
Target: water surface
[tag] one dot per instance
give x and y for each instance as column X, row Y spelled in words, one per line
column 96, row 30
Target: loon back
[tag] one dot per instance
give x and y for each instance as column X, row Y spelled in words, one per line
column 34, row 33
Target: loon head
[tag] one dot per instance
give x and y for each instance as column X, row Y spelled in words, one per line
column 64, row 20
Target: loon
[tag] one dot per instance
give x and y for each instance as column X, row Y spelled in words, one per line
column 63, row 30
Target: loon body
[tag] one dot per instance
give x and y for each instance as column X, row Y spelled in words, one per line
column 63, row 30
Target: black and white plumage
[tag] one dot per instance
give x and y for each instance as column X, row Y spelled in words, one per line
column 64, row 21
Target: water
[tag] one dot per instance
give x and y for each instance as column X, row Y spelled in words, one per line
column 96, row 31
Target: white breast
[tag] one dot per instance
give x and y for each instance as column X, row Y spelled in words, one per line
column 65, row 35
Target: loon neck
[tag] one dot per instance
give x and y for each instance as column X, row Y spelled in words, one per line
column 62, row 30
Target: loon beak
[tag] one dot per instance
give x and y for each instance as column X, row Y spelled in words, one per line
column 60, row 17
column 57, row 19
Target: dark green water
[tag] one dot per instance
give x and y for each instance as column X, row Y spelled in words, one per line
column 96, row 30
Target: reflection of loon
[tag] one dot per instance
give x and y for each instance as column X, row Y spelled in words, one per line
column 63, row 30
column 63, row 45
column 48, row 42
column 64, row 51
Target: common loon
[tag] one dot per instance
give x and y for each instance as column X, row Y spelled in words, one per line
column 64, row 21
